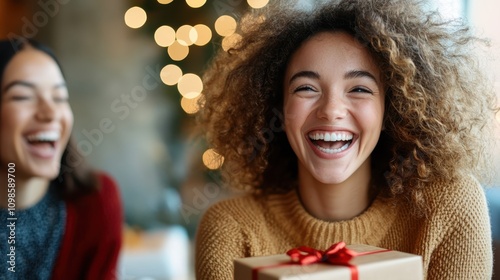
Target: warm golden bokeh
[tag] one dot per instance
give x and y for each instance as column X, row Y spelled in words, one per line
column 171, row 74
column 177, row 51
column 186, row 35
column 212, row 160
column 190, row 106
column 204, row 34
column 225, row 25
column 164, row 36
column 257, row 4
column 190, row 85
column 196, row 3
column 230, row 41
column 135, row 17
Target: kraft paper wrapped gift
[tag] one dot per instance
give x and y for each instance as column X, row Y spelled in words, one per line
column 367, row 262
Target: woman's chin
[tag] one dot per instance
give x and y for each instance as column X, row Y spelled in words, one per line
column 47, row 172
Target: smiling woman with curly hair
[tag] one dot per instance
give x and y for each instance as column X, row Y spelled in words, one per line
column 360, row 121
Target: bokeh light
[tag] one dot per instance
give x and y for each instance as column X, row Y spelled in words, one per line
column 196, row 3
column 170, row 74
column 231, row 41
column 225, row 25
column 135, row 17
column 212, row 160
column 257, row 4
column 204, row 34
column 190, row 106
column 178, row 42
column 186, row 35
column 177, row 51
column 164, row 36
column 190, row 85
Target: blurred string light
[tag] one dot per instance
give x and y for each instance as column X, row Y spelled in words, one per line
column 230, row 41
column 177, row 44
column 190, row 106
column 204, row 34
column 135, row 17
column 186, row 35
column 171, row 74
column 196, row 3
column 178, row 51
column 164, row 36
column 212, row 159
column 190, row 85
column 225, row 25
column 257, row 4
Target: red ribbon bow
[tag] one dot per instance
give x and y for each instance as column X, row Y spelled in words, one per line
column 336, row 254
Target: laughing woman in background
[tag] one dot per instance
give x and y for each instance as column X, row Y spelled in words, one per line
column 68, row 219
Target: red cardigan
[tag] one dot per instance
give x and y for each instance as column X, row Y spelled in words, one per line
column 93, row 235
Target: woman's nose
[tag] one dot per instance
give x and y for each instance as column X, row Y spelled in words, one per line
column 46, row 110
column 332, row 107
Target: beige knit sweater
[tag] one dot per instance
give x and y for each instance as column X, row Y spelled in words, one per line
column 454, row 239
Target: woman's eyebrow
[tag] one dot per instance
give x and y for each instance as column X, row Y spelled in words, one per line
column 306, row 74
column 349, row 75
column 61, row 85
column 360, row 74
column 18, row 83
column 29, row 85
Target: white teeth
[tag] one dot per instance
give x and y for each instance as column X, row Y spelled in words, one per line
column 333, row 151
column 331, row 136
column 44, row 136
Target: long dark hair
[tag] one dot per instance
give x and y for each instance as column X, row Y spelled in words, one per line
column 75, row 177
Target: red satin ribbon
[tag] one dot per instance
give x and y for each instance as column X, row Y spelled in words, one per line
column 337, row 254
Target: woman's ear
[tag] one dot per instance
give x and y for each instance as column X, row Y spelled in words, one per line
column 278, row 121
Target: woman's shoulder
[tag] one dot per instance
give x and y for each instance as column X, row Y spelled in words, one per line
column 103, row 204
column 248, row 213
column 108, row 187
column 94, row 224
column 107, row 191
column 465, row 191
column 228, row 221
column 247, row 205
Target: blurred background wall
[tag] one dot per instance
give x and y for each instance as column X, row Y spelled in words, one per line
column 133, row 89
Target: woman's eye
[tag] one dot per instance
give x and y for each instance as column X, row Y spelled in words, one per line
column 361, row 90
column 61, row 99
column 20, row 97
column 304, row 88
column 60, row 96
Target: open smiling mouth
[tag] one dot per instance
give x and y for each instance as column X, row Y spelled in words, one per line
column 43, row 140
column 331, row 143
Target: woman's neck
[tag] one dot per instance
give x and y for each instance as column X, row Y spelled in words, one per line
column 336, row 202
column 28, row 192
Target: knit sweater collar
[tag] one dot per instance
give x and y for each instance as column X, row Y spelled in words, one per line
column 288, row 212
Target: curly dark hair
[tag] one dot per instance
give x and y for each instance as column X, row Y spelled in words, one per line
column 438, row 103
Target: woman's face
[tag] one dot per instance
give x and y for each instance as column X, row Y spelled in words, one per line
column 334, row 107
column 36, row 116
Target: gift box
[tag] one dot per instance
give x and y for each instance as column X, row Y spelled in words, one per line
column 351, row 262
